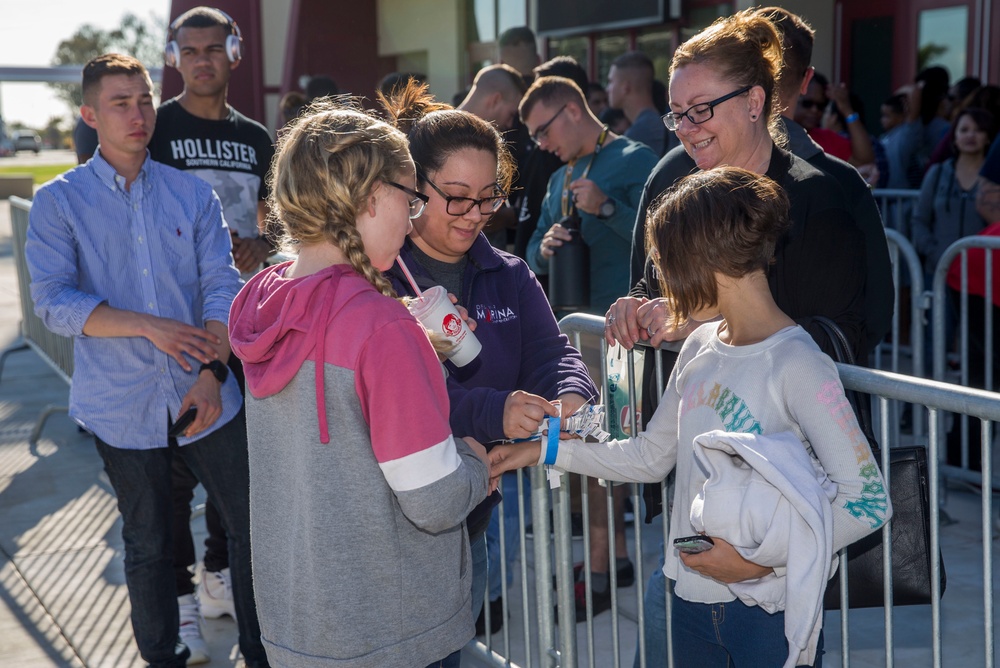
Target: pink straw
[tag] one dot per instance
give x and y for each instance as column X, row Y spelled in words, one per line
column 409, row 276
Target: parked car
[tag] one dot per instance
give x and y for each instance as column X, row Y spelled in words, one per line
column 27, row 140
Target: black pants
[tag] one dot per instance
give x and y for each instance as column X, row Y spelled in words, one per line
column 216, row 549
column 216, row 545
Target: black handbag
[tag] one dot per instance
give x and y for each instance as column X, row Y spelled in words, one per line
column 910, row 528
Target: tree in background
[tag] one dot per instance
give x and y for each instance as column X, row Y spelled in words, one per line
column 136, row 37
column 55, row 135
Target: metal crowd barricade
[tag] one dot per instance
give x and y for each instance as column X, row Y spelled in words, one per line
column 56, row 350
column 958, row 251
column 547, row 643
column 896, row 206
column 902, row 255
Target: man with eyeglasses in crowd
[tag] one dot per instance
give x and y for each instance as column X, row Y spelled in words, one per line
column 601, row 182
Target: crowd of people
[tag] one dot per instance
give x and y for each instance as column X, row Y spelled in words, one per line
column 353, row 468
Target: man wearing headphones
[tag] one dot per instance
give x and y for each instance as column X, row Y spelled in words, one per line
column 198, row 131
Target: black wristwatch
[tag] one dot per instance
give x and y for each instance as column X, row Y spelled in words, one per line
column 607, row 209
column 218, row 369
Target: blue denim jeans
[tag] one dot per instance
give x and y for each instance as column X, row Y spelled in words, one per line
column 453, row 660
column 724, row 634
column 479, row 569
column 655, row 620
column 730, row 634
column 142, row 483
column 512, row 532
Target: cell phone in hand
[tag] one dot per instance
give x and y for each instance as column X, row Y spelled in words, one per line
column 693, row 544
column 183, row 422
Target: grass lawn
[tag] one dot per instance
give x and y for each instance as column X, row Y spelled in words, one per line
column 39, row 173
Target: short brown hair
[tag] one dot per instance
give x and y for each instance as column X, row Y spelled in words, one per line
column 200, row 17
column 517, row 36
column 797, row 40
column 551, row 91
column 638, row 62
column 744, row 48
column 724, row 220
column 502, row 73
column 563, row 66
column 106, row 65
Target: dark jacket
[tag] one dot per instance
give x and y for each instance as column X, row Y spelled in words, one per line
column 820, row 264
column 522, row 346
column 879, row 291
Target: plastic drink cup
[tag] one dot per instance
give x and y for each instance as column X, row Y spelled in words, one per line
column 436, row 312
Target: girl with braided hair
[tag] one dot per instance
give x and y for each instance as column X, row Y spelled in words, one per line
column 464, row 169
column 358, row 489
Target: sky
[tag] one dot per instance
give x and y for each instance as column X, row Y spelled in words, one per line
column 30, row 31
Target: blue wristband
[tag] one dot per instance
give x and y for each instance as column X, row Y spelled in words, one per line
column 552, row 443
column 852, row 118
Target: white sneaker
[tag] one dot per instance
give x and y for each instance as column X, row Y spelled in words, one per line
column 190, row 629
column 215, row 594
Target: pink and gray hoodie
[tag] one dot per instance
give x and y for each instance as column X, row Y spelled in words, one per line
column 358, row 489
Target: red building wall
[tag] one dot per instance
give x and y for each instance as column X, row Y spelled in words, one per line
column 338, row 39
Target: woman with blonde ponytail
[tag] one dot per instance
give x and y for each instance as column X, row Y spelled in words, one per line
column 358, row 489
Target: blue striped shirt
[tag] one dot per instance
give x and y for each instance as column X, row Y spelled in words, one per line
column 162, row 248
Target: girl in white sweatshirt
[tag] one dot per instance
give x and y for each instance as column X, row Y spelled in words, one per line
column 750, row 371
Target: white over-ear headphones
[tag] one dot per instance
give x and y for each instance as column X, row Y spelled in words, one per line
column 234, row 48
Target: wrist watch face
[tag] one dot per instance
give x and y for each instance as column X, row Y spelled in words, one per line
column 607, row 209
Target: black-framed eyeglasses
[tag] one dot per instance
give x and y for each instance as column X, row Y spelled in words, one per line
column 417, row 200
column 701, row 112
column 459, row 206
column 543, row 130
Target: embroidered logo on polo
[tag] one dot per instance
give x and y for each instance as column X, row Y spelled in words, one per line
column 494, row 314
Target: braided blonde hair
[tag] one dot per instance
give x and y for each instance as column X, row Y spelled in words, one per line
column 325, row 167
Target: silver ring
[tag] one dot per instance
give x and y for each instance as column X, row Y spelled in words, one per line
column 651, row 332
column 611, row 318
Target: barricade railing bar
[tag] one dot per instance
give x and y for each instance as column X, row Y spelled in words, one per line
column 896, row 205
column 903, row 256
column 958, row 251
column 542, row 605
column 886, row 387
column 55, row 350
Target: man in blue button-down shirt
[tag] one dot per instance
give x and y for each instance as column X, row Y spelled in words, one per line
column 133, row 259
